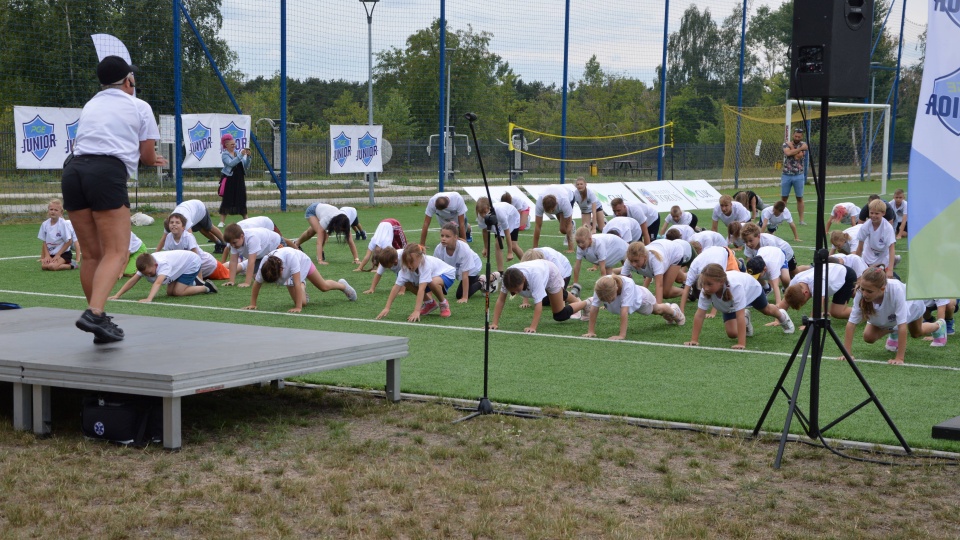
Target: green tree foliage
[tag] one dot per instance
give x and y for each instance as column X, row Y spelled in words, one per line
column 696, row 117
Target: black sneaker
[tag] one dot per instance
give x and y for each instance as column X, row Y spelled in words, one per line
column 197, row 281
column 356, row 235
column 100, row 326
column 363, row 234
column 218, row 247
column 211, row 288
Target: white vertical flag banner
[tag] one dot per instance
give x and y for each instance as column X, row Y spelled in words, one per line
column 45, row 136
column 356, row 149
column 934, row 177
column 202, row 133
column 107, row 45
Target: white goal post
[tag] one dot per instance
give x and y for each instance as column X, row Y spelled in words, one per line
column 884, row 109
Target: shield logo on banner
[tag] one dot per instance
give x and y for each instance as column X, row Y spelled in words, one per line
column 341, row 148
column 199, row 140
column 649, row 196
column 71, row 135
column 38, row 137
column 366, row 148
column 238, row 134
column 944, row 88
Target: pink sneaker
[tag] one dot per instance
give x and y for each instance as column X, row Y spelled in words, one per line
column 445, row 309
column 429, row 307
column 940, row 336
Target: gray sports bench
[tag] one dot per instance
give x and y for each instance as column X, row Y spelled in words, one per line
column 41, row 348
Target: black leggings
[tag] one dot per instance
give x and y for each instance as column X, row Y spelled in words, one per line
column 474, row 287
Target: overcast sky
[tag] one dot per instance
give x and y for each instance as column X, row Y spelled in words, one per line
column 626, row 36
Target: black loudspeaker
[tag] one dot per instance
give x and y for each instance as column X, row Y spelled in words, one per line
column 830, row 56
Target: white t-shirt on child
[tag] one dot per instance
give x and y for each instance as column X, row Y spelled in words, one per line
column 262, row 222
column 456, row 207
column 538, row 274
column 557, row 258
column 608, row 248
column 564, row 207
column 708, row 239
column 738, row 212
column 55, row 235
column 633, row 296
column 430, row 267
column 711, row 255
column 876, row 242
column 743, row 288
column 462, row 260
column 259, row 242
column 627, row 227
column 774, row 220
column 507, row 216
column 173, row 264
column 893, row 310
column 292, row 261
column 671, row 252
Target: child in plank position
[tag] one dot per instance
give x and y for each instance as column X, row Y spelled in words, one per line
column 449, row 207
column 839, row 282
column 626, row 228
column 845, row 213
column 845, row 241
column 326, row 220
column 883, row 304
column 388, row 259
column 465, row 261
column 522, row 206
column 179, row 270
column 678, row 217
column 591, row 210
column 210, row 267
column 351, row 213
column 293, row 268
column 622, row 296
column 557, row 258
column 753, row 240
column 877, row 239
column 509, row 223
column 389, row 233
column 729, row 211
column 260, row 222
column 539, row 280
column 683, row 232
column 556, row 201
column 604, row 250
column 721, row 255
column 769, row 267
column 773, row 216
column 56, row 238
column 732, row 293
column 644, row 214
column 252, row 244
column 661, row 263
column 424, row 275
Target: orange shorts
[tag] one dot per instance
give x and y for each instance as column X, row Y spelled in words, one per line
column 732, row 263
column 220, row 273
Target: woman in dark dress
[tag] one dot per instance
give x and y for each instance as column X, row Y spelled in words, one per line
column 234, row 169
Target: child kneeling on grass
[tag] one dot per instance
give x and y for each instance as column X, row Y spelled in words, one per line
column 541, row 281
column 623, row 296
column 178, row 269
column 293, row 268
column 883, row 304
column 423, row 274
column 732, row 292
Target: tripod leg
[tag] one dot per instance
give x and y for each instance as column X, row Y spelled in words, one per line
column 793, row 399
column 866, row 386
column 779, row 385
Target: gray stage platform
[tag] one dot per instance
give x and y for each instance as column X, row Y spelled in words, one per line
column 41, row 348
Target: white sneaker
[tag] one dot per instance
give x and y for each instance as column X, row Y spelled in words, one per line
column 678, row 317
column 221, row 224
column 746, row 315
column 351, row 294
column 495, row 282
column 576, row 316
column 786, row 322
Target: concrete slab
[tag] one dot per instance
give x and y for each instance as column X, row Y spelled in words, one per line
column 41, row 348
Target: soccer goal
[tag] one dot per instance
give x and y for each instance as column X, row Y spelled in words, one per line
column 858, row 144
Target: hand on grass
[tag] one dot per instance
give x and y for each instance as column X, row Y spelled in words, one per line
column 383, row 314
column 773, row 323
column 710, row 315
column 692, row 343
column 738, row 347
column 895, row 361
column 228, row 284
column 530, row 330
column 462, row 300
column 322, row 262
column 616, row 338
column 414, row 317
column 524, row 304
column 251, row 307
column 243, row 285
column 144, row 300
column 368, row 291
column 494, row 326
column 294, row 310
column 589, row 334
column 114, row 297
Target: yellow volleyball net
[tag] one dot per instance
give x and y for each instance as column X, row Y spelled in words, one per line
column 589, row 148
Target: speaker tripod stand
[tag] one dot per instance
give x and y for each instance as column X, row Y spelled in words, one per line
column 814, row 336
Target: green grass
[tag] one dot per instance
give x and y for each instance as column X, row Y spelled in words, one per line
column 650, row 375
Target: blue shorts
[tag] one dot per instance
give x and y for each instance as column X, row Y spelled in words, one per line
column 447, row 282
column 758, row 304
column 788, row 181
column 312, row 210
column 188, row 279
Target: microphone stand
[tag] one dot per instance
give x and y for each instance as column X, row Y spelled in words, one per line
column 484, row 407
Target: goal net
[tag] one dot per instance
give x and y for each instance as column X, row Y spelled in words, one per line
column 857, row 147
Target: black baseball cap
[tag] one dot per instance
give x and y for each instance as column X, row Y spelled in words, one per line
column 113, row 68
column 756, row 266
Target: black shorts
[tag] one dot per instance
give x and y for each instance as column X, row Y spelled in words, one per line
column 845, row 293
column 94, row 182
column 515, row 235
column 654, row 229
column 792, row 265
column 693, row 220
column 204, row 224
column 67, row 256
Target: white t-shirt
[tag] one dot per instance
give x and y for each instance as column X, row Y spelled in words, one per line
column 708, row 239
column 463, row 258
column 135, row 243
column 292, row 261
column 834, row 279
column 325, row 213
column 643, row 213
column 633, row 296
column 173, row 264
column 456, row 208
column 430, row 267
column 628, row 228
column 262, row 222
column 767, row 239
column 711, row 255
column 55, row 235
column 194, row 210
column 900, row 210
column 258, row 243
column 686, row 231
column 854, row 234
column 520, row 203
column 113, row 123
column 892, row 311
column 382, row 236
column 557, row 258
column 671, row 252
column 586, row 204
column 851, row 210
column 381, row 269
column 350, row 212
column 877, row 242
column 743, row 289
column 773, row 261
column 187, row 241
column 564, row 207
column 738, row 212
column 854, row 262
column 774, row 220
column 538, row 274
column 507, row 216
column 686, row 218
column 608, row 248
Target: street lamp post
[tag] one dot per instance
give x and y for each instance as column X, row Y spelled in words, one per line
column 368, row 7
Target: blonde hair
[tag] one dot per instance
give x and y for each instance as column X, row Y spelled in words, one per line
column 636, row 250
column 876, row 277
column 608, row 287
column 839, row 239
column 898, row 192
column 725, row 200
column 583, row 233
column 749, row 229
column 877, row 205
column 483, row 206
column 410, row 252
column 743, row 198
column 676, row 212
column 532, row 255
column 55, row 201
column 717, row 273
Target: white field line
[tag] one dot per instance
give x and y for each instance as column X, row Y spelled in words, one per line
column 472, row 329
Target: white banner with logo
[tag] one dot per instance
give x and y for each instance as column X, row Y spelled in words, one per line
column 201, row 137
column 355, row 149
column 661, row 194
column 45, row 136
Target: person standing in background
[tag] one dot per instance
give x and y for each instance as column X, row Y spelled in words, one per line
column 235, row 165
column 794, row 154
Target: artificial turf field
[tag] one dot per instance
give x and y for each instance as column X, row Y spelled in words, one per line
column 651, row 374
